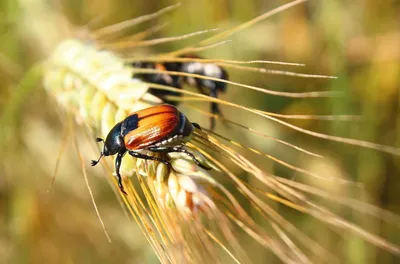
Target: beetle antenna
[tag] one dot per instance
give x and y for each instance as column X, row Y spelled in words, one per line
column 94, row 162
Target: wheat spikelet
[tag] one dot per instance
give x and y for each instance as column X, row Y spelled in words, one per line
column 99, row 90
column 187, row 210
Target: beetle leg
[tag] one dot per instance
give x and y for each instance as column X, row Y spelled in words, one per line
column 118, row 160
column 164, row 149
column 180, row 149
column 214, row 108
column 143, row 156
column 183, row 150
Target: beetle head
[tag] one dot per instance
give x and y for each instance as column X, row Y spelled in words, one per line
column 113, row 144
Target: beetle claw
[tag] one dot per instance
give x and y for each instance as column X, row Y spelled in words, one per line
column 206, row 167
column 93, row 162
column 121, row 187
column 122, row 190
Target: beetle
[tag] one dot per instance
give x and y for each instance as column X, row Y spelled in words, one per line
column 208, row 87
column 160, row 128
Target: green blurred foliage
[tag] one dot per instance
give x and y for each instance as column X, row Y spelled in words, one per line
column 357, row 41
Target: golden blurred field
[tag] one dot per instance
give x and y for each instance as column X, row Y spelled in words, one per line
column 357, row 41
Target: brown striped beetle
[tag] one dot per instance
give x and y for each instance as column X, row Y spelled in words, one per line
column 207, row 87
column 161, row 128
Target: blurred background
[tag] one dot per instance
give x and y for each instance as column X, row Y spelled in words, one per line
column 357, row 41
